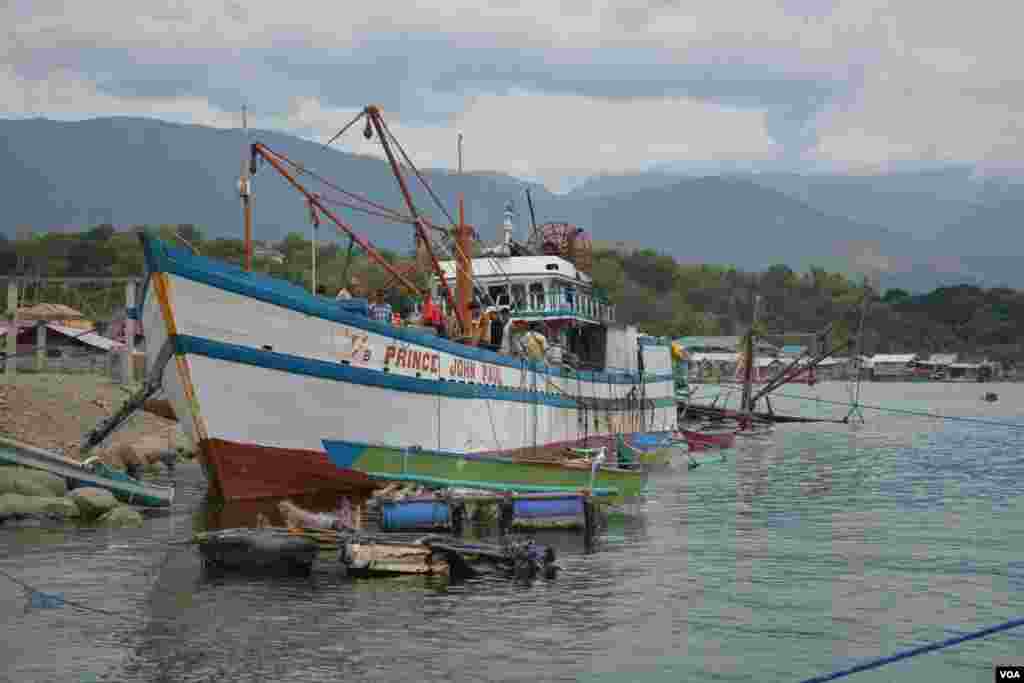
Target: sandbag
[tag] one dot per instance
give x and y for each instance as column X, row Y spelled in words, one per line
column 15, row 505
column 93, row 502
column 120, row 517
column 30, row 482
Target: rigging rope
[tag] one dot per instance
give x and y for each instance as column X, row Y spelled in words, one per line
column 416, row 171
column 33, row 591
column 345, row 128
column 302, row 170
column 494, row 262
column 915, row 651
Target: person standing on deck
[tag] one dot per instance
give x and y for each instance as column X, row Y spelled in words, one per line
column 381, row 310
column 432, row 316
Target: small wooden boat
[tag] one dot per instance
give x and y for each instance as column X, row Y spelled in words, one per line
column 485, row 472
column 90, row 472
column 704, row 439
column 257, row 550
column 650, row 450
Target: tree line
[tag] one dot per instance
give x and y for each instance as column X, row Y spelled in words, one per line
column 650, row 289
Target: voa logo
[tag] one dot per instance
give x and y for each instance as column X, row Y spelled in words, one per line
column 1009, row 675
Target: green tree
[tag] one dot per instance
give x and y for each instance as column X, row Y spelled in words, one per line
column 895, row 296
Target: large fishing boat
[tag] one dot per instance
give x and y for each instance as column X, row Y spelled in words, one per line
column 510, row 360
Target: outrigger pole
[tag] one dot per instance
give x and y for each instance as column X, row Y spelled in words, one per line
column 260, row 151
column 373, row 115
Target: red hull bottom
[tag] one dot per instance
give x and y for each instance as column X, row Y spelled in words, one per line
column 239, row 471
column 248, row 472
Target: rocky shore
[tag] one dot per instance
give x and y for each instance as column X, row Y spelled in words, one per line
column 53, row 412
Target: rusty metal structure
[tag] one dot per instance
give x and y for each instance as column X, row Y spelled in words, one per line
column 565, row 240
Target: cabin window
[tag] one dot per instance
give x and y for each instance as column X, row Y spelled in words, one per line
column 499, row 294
column 536, row 296
column 551, row 266
column 519, row 296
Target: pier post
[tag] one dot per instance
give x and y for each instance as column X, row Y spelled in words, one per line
column 40, row 346
column 458, row 511
column 506, row 511
column 589, row 523
column 12, row 330
column 128, row 360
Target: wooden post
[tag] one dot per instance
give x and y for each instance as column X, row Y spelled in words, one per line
column 40, row 346
column 458, row 512
column 128, row 361
column 463, row 267
column 506, row 511
column 12, row 330
column 589, row 523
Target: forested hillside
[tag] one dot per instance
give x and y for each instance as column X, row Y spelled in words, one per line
column 650, row 289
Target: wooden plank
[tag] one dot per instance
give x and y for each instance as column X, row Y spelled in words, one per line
column 17, row 453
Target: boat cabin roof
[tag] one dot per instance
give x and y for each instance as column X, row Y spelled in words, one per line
column 524, row 267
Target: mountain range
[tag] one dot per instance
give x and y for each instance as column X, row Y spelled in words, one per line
column 915, row 230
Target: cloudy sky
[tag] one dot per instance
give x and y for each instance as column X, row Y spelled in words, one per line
column 547, row 89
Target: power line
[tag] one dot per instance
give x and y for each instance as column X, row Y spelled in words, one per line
column 916, row 413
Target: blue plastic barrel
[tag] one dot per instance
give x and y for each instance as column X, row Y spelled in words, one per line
column 570, row 506
column 401, row 515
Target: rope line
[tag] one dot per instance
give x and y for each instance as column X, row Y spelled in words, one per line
column 32, row 590
column 917, row 413
column 915, row 651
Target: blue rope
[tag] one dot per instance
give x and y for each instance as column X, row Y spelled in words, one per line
column 913, row 652
column 919, row 413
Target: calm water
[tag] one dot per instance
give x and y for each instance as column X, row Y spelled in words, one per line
column 831, row 544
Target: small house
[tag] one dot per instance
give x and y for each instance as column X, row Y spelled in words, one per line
column 67, row 339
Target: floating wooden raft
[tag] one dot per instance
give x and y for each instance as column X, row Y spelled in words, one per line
column 369, row 555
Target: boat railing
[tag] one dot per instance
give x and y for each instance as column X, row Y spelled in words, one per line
column 562, row 303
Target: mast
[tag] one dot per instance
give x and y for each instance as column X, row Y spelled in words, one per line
column 463, row 262
column 855, row 408
column 746, row 405
column 245, row 192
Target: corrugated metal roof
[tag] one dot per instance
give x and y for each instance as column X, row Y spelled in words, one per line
column 90, row 338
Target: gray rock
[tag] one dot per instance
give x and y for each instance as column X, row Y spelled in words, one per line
column 29, row 482
column 120, row 517
column 93, row 502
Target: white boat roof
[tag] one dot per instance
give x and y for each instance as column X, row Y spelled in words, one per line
column 522, row 266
